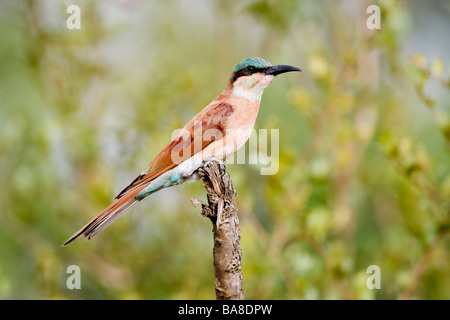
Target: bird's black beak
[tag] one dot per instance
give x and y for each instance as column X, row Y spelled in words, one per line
column 279, row 69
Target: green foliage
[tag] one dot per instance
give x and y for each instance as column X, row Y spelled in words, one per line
column 364, row 174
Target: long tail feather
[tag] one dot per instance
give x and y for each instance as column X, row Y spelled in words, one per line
column 107, row 216
column 106, row 221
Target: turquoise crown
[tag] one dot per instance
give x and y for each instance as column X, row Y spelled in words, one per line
column 258, row 63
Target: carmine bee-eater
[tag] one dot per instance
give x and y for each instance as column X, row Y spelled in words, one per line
column 217, row 132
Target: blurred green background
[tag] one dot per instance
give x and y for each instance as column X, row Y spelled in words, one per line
column 364, row 175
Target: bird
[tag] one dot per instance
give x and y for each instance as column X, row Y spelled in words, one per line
column 215, row 133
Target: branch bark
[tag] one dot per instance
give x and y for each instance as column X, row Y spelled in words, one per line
column 222, row 211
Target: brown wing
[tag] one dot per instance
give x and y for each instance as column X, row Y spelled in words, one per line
column 194, row 137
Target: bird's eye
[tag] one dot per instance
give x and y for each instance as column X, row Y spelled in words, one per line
column 250, row 68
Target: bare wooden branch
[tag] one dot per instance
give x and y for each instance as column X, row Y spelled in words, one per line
column 222, row 211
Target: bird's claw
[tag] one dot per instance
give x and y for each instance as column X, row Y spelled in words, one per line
column 222, row 165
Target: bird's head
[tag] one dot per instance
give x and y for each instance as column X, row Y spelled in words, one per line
column 253, row 75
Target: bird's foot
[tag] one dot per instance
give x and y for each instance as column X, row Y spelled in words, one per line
column 222, row 165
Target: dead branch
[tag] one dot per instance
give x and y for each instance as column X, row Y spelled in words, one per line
column 222, row 211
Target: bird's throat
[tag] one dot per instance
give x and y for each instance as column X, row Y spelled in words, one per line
column 252, row 87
